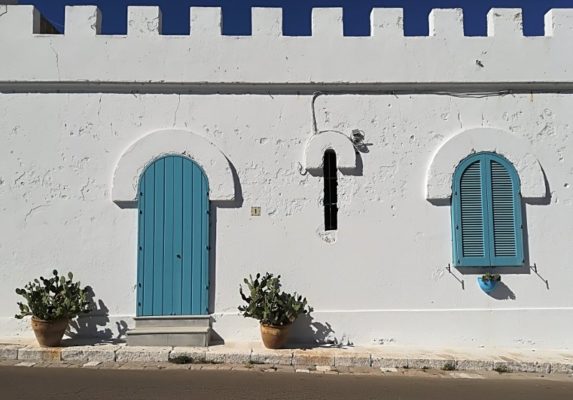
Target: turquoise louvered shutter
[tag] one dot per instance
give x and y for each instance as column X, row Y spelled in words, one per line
column 505, row 219
column 173, row 243
column 469, row 216
column 486, row 213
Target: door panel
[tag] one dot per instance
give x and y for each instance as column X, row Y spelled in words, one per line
column 173, row 255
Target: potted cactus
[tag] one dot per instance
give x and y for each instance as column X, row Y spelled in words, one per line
column 275, row 309
column 488, row 282
column 52, row 302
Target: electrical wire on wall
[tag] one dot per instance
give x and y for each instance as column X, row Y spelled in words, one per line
column 315, row 95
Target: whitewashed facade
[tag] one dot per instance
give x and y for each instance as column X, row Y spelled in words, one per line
column 82, row 115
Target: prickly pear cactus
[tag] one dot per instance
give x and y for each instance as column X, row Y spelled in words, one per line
column 268, row 304
column 53, row 298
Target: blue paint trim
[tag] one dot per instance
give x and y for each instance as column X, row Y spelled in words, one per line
column 140, row 244
column 148, row 247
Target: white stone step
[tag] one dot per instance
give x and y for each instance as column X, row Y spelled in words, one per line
column 169, row 336
column 200, row 321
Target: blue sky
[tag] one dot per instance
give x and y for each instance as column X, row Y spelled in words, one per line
column 236, row 13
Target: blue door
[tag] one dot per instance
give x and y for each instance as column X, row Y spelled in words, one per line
column 173, row 243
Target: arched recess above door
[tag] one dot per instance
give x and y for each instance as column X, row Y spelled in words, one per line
column 329, row 140
column 514, row 148
column 164, row 142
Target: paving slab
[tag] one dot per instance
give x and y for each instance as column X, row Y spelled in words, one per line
column 39, row 354
column 380, row 362
column 421, row 363
column 195, row 354
column 313, row 357
column 232, row 355
column 562, row 368
column 346, row 358
column 272, row 357
column 8, row 352
column 89, row 353
column 474, row 365
column 143, row 354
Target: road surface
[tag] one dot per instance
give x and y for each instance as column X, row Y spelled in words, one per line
column 61, row 384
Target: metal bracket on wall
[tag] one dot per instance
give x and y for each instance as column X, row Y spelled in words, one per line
column 461, row 281
column 534, row 269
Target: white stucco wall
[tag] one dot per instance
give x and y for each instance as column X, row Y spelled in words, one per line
column 383, row 271
column 381, row 278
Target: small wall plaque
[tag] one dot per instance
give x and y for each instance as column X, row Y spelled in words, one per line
column 255, row 211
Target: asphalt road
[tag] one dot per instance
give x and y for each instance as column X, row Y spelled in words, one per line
column 61, row 384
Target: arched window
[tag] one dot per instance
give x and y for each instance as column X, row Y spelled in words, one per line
column 486, row 213
column 330, row 191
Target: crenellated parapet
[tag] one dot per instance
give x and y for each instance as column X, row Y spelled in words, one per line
column 384, row 60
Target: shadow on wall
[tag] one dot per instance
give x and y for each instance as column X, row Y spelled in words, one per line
column 308, row 333
column 502, row 292
column 358, row 171
column 214, row 206
column 93, row 327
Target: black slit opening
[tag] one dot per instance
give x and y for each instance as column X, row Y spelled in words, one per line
column 330, row 191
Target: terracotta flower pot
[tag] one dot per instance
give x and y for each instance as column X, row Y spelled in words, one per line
column 274, row 337
column 49, row 333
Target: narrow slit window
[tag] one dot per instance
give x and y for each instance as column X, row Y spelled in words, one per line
column 330, row 191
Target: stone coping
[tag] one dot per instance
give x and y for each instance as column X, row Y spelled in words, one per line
column 384, row 358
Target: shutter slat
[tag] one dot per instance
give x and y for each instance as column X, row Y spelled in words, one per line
column 504, row 237
column 472, row 212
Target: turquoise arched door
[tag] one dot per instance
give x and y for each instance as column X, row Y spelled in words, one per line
column 173, row 242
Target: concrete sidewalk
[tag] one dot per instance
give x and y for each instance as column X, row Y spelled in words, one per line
column 387, row 357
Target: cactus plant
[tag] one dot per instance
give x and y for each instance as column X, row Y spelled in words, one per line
column 489, row 277
column 268, row 304
column 52, row 299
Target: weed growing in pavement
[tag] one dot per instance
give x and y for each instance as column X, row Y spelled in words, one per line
column 181, row 360
column 449, row 366
column 501, row 369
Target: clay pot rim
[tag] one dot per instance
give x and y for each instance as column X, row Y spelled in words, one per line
column 276, row 326
column 49, row 321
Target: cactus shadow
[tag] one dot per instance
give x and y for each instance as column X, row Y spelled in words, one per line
column 307, row 333
column 94, row 328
